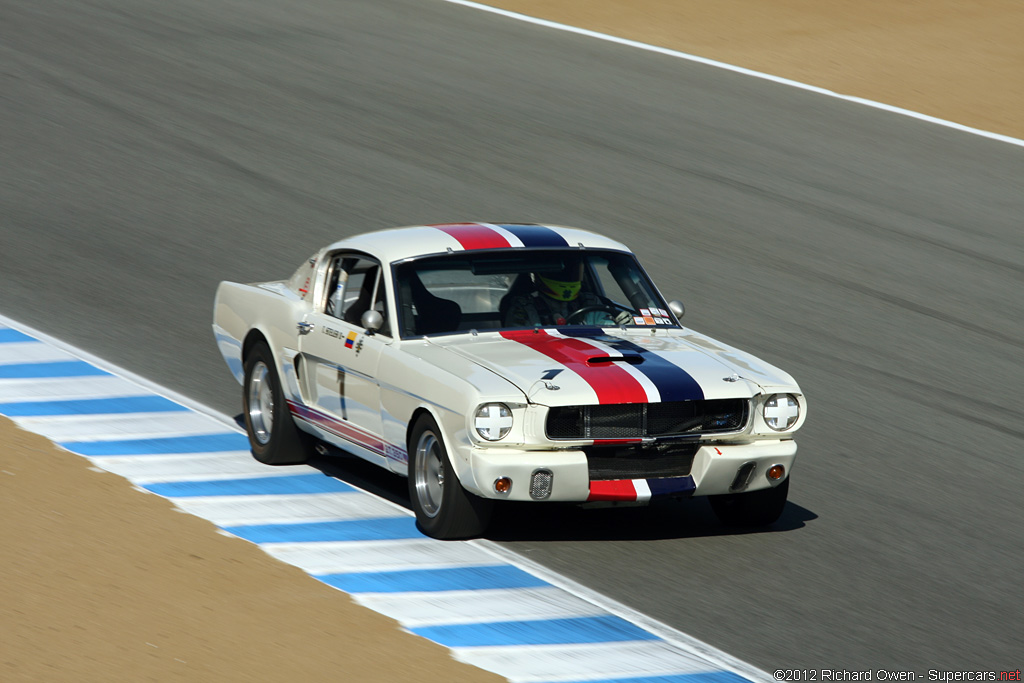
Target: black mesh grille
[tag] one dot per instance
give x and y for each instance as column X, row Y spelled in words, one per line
column 618, row 423
column 605, row 463
column 641, row 420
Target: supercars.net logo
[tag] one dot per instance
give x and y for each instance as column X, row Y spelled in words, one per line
column 815, row 675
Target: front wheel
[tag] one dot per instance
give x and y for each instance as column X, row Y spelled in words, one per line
column 444, row 509
column 757, row 508
column 273, row 436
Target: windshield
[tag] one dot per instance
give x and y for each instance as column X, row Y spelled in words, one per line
column 525, row 289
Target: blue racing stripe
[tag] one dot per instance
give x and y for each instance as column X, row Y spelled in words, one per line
column 671, row 486
column 673, row 382
column 9, row 336
column 92, row 406
column 449, row 579
column 254, row 486
column 703, row 677
column 604, row 629
column 204, row 443
column 63, row 368
column 535, row 235
column 377, row 529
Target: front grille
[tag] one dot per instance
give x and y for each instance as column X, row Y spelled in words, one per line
column 640, row 462
column 644, row 420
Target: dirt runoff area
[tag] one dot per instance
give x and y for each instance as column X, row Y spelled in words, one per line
column 958, row 60
column 102, row 582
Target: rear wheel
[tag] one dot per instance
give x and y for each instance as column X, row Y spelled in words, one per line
column 444, row 509
column 757, row 508
column 273, row 436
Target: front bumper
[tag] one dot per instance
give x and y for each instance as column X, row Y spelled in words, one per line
column 714, row 471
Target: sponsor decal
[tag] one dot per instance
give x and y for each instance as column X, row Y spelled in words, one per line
column 652, row 316
column 396, row 453
column 350, row 339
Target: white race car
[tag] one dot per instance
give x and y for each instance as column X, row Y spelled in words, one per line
column 491, row 362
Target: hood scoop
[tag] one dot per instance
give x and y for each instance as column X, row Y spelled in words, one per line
column 608, row 360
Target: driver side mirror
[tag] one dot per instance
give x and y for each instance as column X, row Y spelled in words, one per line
column 677, row 308
column 372, row 320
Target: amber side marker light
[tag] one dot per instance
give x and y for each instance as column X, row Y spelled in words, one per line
column 776, row 472
column 502, row 485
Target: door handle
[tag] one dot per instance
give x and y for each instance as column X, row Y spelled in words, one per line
column 305, row 328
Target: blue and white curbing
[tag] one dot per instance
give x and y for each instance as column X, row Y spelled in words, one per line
column 549, row 630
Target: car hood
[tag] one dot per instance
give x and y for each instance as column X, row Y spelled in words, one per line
column 572, row 366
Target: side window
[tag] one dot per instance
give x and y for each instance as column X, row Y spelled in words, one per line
column 353, row 285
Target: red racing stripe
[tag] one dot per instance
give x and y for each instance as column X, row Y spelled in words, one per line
column 474, row 235
column 618, row 489
column 611, row 383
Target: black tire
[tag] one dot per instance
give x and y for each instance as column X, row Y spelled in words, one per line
column 444, row 509
column 273, row 436
column 757, row 508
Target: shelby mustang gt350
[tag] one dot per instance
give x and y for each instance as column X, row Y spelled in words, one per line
column 491, row 362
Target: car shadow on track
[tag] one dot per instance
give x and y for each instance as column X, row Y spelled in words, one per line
column 661, row 520
column 669, row 519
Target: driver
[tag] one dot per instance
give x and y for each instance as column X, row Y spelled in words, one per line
column 556, row 297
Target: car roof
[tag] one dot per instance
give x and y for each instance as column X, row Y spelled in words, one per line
column 396, row 244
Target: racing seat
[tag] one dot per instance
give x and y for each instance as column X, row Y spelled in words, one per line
column 521, row 286
column 433, row 314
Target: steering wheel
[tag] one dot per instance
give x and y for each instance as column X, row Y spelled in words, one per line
column 608, row 308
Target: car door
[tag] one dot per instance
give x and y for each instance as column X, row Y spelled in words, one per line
column 340, row 357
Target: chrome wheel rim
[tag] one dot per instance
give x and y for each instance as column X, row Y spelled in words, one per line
column 429, row 474
column 261, row 403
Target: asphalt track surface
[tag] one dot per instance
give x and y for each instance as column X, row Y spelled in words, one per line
column 149, row 150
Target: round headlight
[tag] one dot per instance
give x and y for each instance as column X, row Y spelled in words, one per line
column 781, row 411
column 493, row 421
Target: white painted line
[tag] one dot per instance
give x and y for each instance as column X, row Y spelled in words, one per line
column 33, row 352
column 338, row 557
column 740, row 70
column 156, row 469
column 593, row 661
column 67, row 388
column 120, row 426
column 478, row 606
column 277, row 509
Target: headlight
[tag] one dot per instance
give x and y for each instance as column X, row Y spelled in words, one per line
column 493, row 421
column 781, row 411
